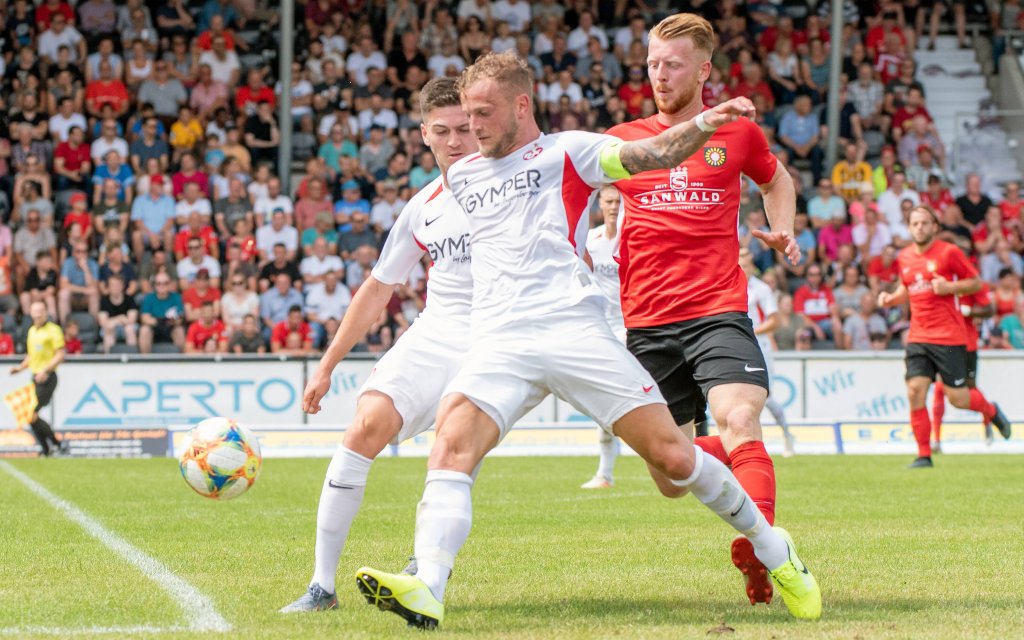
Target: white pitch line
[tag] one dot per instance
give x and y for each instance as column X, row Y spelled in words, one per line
column 84, row 631
column 201, row 614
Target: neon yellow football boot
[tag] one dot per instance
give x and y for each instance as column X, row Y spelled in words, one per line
column 401, row 594
column 795, row 583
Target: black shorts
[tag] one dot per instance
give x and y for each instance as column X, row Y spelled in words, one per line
column 972, row 365
column 949, row 361
column 689, row 357
column 44, row 391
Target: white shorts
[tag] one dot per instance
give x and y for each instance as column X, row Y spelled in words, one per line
column 416, row 370
column 571, row 353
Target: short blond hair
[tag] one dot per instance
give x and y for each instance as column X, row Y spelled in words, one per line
column 687, row 25
column 506, row 69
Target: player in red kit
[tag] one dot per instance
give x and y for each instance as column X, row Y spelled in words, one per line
column 975, row 305
column 684, row 296
column 932, row 274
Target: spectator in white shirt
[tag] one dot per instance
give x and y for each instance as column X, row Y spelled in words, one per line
column 326, row 306
column 385, row 212
column 314, row 268
column 579, row 36
column 192, row 201
column 277, row 231
column 364, row 57
column 265, row 205
column 562, row 86
column 60, row 34
column 108, row 140
column 890, row 199
column 439, row 63
column 515, row 12
column 61, row 122
column 871, row 235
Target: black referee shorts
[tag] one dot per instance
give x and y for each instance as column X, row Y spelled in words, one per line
column 44, row 391
column 949, row 361
column 689, row 357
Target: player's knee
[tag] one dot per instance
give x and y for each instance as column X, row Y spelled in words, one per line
column 673, row 462
column 959, row 398
column 740, row 420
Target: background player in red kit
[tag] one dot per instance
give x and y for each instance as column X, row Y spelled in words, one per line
column 975, row 305
column 684, row 296
column 932, row 272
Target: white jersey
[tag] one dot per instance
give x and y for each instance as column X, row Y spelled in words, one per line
column 761, row 305
column 606, row 275
column 431, row 223
column 528, row 217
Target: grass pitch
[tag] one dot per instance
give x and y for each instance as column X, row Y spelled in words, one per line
column 899, row 554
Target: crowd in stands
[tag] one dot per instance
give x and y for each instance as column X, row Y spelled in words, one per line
column 139, row 150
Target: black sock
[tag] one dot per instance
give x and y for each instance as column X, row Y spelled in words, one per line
column 39, row 430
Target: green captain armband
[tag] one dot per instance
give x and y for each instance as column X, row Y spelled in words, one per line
column 611, row 163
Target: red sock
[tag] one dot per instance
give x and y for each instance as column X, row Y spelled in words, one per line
column 712, row 445
column 981, row 405
column 754, row 469
column 922, row 430
column 938, row 410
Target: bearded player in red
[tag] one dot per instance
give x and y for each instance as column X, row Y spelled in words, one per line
column 684, row 296
column 975, row 305
column 932, row 273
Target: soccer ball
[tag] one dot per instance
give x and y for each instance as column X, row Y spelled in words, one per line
column 221, row 459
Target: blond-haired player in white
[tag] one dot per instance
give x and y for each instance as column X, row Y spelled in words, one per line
column 763, row 312
column 601, row 247
column 538, row 328
column 400, row 398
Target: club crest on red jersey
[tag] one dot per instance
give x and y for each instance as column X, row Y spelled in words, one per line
column 714, row 156
column 679, row 178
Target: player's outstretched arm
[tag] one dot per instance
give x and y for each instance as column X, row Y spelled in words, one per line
column 669, row 148
column 371, row 298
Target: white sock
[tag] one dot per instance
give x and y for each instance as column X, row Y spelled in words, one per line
column 443, row 519
column 340, row 498
column 777, row 412
column 714, row 485
column 609, row 451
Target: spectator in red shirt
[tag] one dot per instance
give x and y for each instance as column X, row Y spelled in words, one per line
column 990, row 230
column 71, row 162
column 814, row 302
column 196, row 229
column 1012, row 205
column 875, row 41
column 6, row 344
column 107, row 90
column 914, row 106
column 883, row 271
column 783, row 29
column 253, row 93
column 78, row 221
column 206, row 334
column 635, row 90
column 753, row 83
column 293, row 335
column 201, row 292
column 936, row 195
column 205, row 39
column 50, row 8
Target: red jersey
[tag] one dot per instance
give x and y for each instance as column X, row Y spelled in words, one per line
column 816, row 304
column 279, row 334
column 633, row 99
column 7, row 344
column 938, row 204
column 73, row 158
column 192, row 298
column 678, row 247
column 206, row 234
column 886, row 274
column 199, row 334
column 980, row 298
column 934, row 319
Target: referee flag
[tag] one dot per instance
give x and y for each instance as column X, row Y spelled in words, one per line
column 22, row 403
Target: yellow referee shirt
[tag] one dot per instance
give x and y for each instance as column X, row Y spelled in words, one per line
column 43, row 344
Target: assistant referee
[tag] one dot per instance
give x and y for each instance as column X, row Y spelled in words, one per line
column 44, row 353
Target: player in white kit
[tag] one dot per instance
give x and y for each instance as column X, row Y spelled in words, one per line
column 538, row 328
column 400, row 398
column 601, row 243
column 763, row 311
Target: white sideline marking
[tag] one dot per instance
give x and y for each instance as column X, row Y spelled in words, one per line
column 201, row 614
column 82, row 631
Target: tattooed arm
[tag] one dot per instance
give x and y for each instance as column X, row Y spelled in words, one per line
column 669, row 148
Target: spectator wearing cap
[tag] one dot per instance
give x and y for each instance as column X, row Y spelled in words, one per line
column 278, row 299
column 292, row 335
column 199, row 293
column 77, row 221
column 79, row 283
column 40, row 284
column 60, row 123
column 196, row 261
column 352, row 202
column 149, row 145
column 118, row 316
column 162, row 315
column 386, row 210
column 208, row 94
column 71, row 163
column 277, row 231
column 113, row 168
column 262, row 135
column 153, row 219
